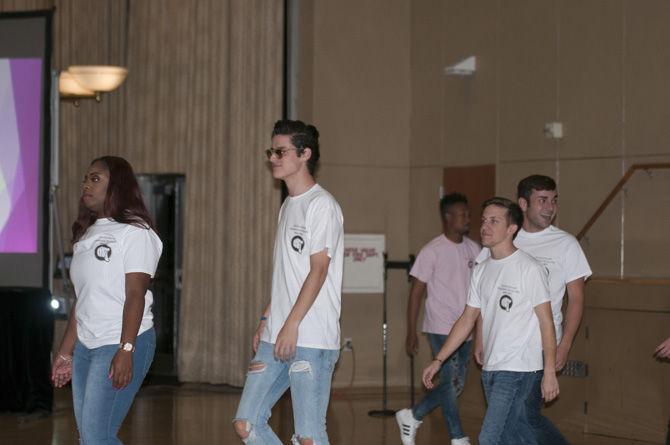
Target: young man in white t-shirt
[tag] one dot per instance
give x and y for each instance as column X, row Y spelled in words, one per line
column 565, row 262
column 298, row 338
column 443, row 268
column 510, row 291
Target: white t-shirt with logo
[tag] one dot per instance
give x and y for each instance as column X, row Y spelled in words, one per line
column 101, row 259
column 308, row 223
column 445, row 267
column 507, row 291
column 563, row 259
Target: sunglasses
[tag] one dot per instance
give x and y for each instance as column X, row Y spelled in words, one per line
column 279, row 152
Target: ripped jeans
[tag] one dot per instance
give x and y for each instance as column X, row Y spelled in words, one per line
column 308, row 374
column 452, row 381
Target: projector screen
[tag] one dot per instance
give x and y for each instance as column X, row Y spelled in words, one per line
column 24, row 148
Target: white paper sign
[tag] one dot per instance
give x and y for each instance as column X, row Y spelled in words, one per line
column 363, row 264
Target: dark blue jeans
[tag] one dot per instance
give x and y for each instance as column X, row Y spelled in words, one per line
column 505, row 422
column 545, row 431
column 452, row 381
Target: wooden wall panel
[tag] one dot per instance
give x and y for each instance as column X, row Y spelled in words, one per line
column 361, row 82
column 528, row 77
column 470, row 105
column 590, row 84
column 628, row 389
column 646, row 69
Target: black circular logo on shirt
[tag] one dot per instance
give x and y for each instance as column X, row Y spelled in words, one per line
column 103, row 252
column 297, row 243
column 506, row 303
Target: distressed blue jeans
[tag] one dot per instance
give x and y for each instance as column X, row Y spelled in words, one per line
column 99, row 408
column 506, row 422
column 308, row 374
column 450, row 386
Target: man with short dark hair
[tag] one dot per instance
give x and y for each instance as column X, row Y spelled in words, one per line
column 565, row 262
column 443, row 267
column 298, row 337
column 510, row 291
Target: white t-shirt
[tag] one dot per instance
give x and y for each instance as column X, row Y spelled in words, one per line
column 101, row 259
column 507, row 291
column 563, row 259
column 445, row 267
column 308, row 223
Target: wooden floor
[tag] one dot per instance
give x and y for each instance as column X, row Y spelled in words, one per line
column 201, row 414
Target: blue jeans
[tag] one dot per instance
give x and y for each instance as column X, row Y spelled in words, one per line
column 99, row 408
column 450, row 386
column 506, row 422
column 308, row 374
column 545, row 431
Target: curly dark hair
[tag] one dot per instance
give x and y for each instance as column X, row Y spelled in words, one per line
column 302, row 136
column 123, row 202
column 451, row 199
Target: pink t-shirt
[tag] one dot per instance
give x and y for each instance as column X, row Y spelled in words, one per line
column 445, row 267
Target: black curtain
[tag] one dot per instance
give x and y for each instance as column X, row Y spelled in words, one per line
column 26, row 338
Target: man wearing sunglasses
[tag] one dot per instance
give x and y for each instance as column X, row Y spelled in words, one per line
column 298, row 337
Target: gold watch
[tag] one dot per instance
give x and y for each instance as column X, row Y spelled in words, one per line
column 128, row 347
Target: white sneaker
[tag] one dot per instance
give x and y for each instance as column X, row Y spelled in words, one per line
column 408, row 425
column 462, row 441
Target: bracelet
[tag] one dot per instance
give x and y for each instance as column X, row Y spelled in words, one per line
column 263, row 318
column 438, row 360
column 65, row 358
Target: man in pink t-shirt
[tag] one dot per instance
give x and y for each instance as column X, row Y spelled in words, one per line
column 443, row 267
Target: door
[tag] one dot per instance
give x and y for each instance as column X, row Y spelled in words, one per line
column 164, row 198
column 477, row 183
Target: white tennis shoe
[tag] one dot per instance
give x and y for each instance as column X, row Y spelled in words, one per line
column 408, row 426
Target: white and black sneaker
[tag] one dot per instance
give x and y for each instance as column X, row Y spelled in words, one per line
column 408, row 425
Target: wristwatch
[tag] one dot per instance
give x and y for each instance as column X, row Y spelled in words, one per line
column 128, row 347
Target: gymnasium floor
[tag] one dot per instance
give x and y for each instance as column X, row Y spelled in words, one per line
column 201, row 414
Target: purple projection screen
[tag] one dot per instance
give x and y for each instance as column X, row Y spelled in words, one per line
column 25, row 123
column 20, row 125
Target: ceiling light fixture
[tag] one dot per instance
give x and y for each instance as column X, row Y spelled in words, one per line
column 90, row 81
column 98, row 78
column 69, row 87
